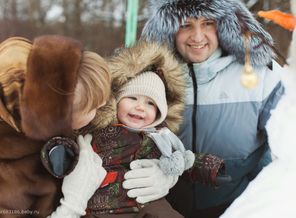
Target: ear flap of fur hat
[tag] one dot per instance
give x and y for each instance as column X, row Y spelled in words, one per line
column 46, row 104
column 14, row 52
column 233, row 21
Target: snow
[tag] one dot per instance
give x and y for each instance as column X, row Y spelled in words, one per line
column 272, row 193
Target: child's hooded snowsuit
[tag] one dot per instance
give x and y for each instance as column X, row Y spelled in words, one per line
column 115, row 144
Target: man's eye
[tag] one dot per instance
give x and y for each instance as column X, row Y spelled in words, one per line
column 185, row 25
column 209, row 23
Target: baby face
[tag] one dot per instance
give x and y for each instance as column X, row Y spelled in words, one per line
column 136, row 111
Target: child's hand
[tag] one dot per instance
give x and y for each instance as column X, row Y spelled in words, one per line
column 146, row 181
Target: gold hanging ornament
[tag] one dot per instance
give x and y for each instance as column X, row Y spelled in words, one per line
column 249, row 79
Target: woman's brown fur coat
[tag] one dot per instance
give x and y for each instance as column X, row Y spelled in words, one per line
column 31, row 112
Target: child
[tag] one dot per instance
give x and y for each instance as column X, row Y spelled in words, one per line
column 142, row 106
column 91, row 92
column 145, row 100
column 119, row 144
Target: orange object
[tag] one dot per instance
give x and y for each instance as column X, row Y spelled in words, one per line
column 110, row 178
column 287, row 21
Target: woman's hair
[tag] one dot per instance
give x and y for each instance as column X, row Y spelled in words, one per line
column 93, row 83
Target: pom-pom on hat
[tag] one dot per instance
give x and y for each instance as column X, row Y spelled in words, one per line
column 151, row 85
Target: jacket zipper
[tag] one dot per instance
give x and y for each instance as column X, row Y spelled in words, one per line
column 193, row 120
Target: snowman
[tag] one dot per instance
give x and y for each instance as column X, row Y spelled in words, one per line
column 272, row 193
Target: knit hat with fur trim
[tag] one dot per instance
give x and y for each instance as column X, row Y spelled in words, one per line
column 148, row 84
column 233, row 21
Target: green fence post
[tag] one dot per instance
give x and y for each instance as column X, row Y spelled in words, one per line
column 131, row 22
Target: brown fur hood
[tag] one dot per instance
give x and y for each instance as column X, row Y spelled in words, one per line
column 143, row 56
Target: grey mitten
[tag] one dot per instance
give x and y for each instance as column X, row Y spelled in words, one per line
column 177, row 145
column 173, row 164
column 175, row 159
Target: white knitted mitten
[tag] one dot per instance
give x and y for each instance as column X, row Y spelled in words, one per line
column 82, row 182
column 147, row 182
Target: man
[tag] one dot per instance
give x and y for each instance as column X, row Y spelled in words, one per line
column 217, row 40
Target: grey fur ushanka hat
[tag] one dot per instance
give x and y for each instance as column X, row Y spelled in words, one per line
column 233, row 21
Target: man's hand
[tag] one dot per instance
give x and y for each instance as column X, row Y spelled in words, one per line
column 146, row 181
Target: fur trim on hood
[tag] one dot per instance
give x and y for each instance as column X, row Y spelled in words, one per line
column 51, row 78
column 233, row 22
column 145, row 57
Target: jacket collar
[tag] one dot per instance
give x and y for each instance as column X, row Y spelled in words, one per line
column 207, row 70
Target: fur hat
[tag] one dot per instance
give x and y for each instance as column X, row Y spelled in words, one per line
column 148, row 84
column 48, row 93
column 233, row 22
